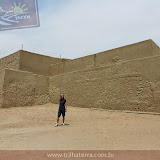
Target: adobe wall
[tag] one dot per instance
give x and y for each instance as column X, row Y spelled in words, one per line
column 135, row 51
column 31, row 62
column 124, row 86
column 126, row 78
column 36, row 63
column 10, row 62
column 148, row 67
column 24, row 89
column 2, row 74
column 73, row 65
column 130, row 52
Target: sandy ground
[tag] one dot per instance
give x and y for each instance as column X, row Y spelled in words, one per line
column 31, row 128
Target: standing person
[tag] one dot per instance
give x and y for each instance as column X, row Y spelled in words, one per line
column 62, row 109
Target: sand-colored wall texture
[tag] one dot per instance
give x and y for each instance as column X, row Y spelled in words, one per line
column 2, row 74
column 11, row 61
column 31, row 62
column 36, row 63
column 22, row 88
column 123, row 86
column 135, row 51
column 148, row 67
column 125, row 78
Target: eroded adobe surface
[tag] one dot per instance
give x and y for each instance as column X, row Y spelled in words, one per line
column 126, row 78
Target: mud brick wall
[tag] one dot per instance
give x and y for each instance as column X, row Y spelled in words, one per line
column 36, row 63
column 148, row 67
column 135, row 51
column 11, row 61
column 72, row 65
column 117, row 87
column 126, row 78
column 31, row 62
column 2, row 74
column 24, row 89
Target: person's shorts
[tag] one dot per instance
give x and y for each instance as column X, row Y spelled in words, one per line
column 61, row 111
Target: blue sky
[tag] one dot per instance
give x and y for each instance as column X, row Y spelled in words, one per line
column 76, row 28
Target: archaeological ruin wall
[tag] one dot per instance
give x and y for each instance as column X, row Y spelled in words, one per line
column 130, row 85
column 21, row 88
column 126, row 78
column 134, row 51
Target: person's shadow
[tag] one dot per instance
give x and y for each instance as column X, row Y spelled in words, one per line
column 63, row 125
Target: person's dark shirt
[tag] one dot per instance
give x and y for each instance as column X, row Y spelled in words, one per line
column 62, row 103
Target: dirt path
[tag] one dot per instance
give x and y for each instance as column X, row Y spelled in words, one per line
column 30, row 128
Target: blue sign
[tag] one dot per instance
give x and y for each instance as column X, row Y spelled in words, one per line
column 15, row 14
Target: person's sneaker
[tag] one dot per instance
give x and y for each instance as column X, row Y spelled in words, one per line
column 63, row 124
column 56, row 125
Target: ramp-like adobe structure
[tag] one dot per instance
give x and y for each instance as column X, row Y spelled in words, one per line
column 126, row 78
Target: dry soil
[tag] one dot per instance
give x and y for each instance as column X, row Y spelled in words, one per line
column 32, row 128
